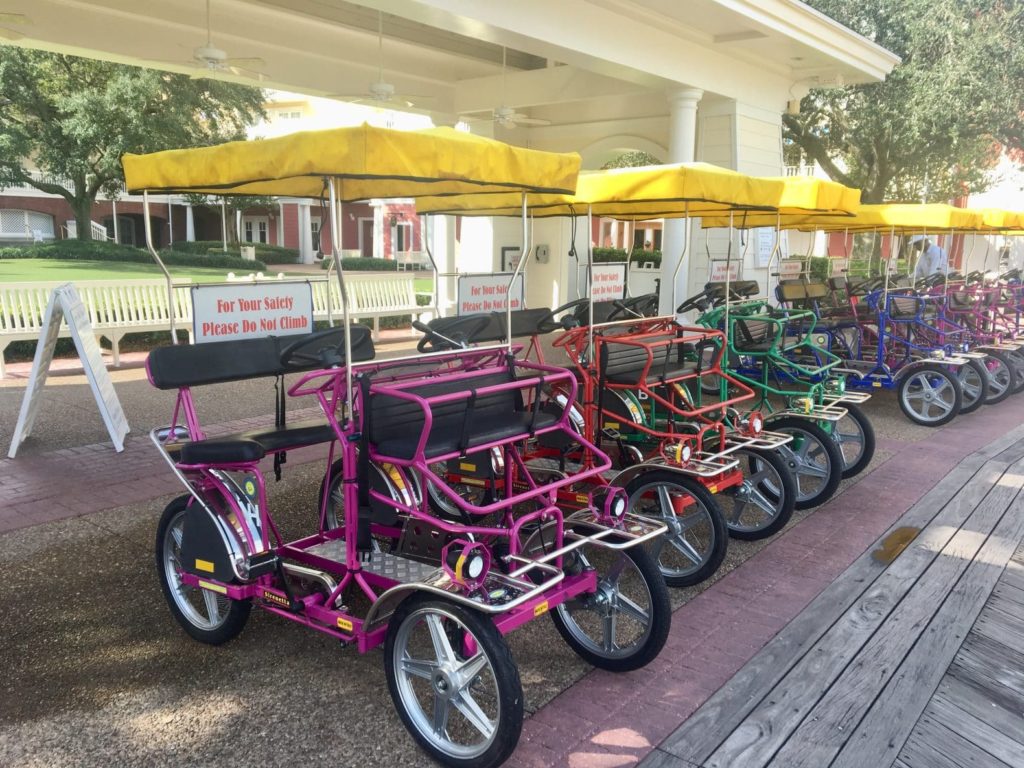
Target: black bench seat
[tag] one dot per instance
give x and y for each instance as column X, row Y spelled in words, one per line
column 624, row 364
column 270, row 439
column 395, row 425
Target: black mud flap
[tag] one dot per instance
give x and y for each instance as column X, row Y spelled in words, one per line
column 203, row 552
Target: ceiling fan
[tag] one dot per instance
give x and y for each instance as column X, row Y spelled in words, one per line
column 380, row 91
column 208, row 58
column 505, row 116
column 6, row 33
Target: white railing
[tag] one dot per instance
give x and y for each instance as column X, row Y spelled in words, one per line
column 801, row 170
column 99, row 232
column 48, row 178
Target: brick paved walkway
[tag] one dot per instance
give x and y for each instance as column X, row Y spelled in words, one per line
column 608, row 720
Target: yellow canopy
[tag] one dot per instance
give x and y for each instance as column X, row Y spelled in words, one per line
column 367, row 162
column 662, row 191
column 904, row 218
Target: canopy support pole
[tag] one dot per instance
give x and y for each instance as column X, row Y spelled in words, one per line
column 515, row 274
column 590, row 282
column 426, row 235
column 156, row 257
column 682, row 255
column 336, row 253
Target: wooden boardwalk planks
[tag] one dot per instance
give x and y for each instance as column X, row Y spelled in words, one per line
column 846, row 681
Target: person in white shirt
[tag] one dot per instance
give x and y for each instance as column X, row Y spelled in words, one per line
column 932, row 259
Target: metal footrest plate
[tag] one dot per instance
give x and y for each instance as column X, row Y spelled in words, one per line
column 379, row 563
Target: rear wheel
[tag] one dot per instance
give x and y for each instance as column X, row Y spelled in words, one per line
column 930, row 395
column 624, row 623
column 207, row 616
column 756, row 509
column 973, row 378
column 697, row 538
column 856, row 439
column 813, row 458
column 454, row 682
column 1017, row 363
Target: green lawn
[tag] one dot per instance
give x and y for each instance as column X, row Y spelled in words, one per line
column 47, row 270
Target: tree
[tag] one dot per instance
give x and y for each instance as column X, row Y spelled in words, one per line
column 74, row 118
column 632, row 159
column 941, row 118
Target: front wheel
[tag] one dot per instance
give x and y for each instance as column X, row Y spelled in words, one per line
column 624, row 623
column 763, row 503
column 206, row 616
column 694, row 546
column 813, row 458
column 999, row 372
column 856, row 440
column 973, row 378
column 454, row 682
column 930, row 395
column 1016, row 359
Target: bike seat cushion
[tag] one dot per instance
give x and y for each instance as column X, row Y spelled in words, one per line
column 296, row 435
column 221, row 452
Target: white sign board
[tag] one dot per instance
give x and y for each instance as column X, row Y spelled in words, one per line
column 790, row 269
column 487, row 293
column 232, row 311
column 65, row 304
column 717, row 274
column 765, row 245
column 609, row 281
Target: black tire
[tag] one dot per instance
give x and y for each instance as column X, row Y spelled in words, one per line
column 235, row 612
column 507, row 695
column 379, row 481
column 938, row 377
column 999, row 374
column 707, row 524
column 973, row 377
column 811, row 445
column 646, row 578
column 855, row 464
column 1016, row 359
column 763, row 472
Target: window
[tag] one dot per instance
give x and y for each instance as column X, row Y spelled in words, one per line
column 289, row 114
column 403, row 237
column 254, row 229
column 25, row 225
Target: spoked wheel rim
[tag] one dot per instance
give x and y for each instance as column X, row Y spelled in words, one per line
column 929, row 396
column 756, row 503
column 808, row 462
column 690, row 539
column 971, row 384
column 616, row 619
column 202, row 608
column 1000, row 377
column 449, row 694
column 849, row 436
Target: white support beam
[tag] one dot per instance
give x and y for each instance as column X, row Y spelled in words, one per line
column 537, row 87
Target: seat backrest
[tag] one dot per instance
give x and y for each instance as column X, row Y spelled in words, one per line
column 790, row 291
column 191, row 365
column 622, row 360
column 602, row 311
column 751, row 331
column 391, row 417
column 744, row 288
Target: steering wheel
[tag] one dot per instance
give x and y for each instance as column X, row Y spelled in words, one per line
column 324, row 348
column 458, row 334
column 698, row 302
column 640, row 306
column 547, row 324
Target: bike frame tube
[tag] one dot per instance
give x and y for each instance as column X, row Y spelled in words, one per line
column 148, row 226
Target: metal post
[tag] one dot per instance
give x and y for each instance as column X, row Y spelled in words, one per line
column 425, row 236
column 728, row 295
column 336, row 251
column 515, row 274
column 590, row 284
column 156, row 257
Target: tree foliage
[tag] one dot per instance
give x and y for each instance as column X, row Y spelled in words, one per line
column 632, row 159
column 940, row 119
column 74, row 118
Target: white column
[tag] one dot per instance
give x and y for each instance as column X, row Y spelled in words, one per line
column 378, row 230
column 170, row 221
column 280, row 223
column 681, row 149
column 190, row 224
column 117, row 229
column 306, row 255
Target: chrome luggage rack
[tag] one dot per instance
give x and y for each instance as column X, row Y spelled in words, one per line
column 824, row 412
column 763, row 441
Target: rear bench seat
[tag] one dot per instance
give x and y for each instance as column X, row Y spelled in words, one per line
column 624, row 364
column 192, row 365
column 395, row 425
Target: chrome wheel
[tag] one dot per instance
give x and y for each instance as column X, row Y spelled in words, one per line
column 930, row 398
column 454, row 682
column 756, row 508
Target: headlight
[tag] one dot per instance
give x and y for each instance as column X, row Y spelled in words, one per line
column 608, row 503
column 466, row 562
